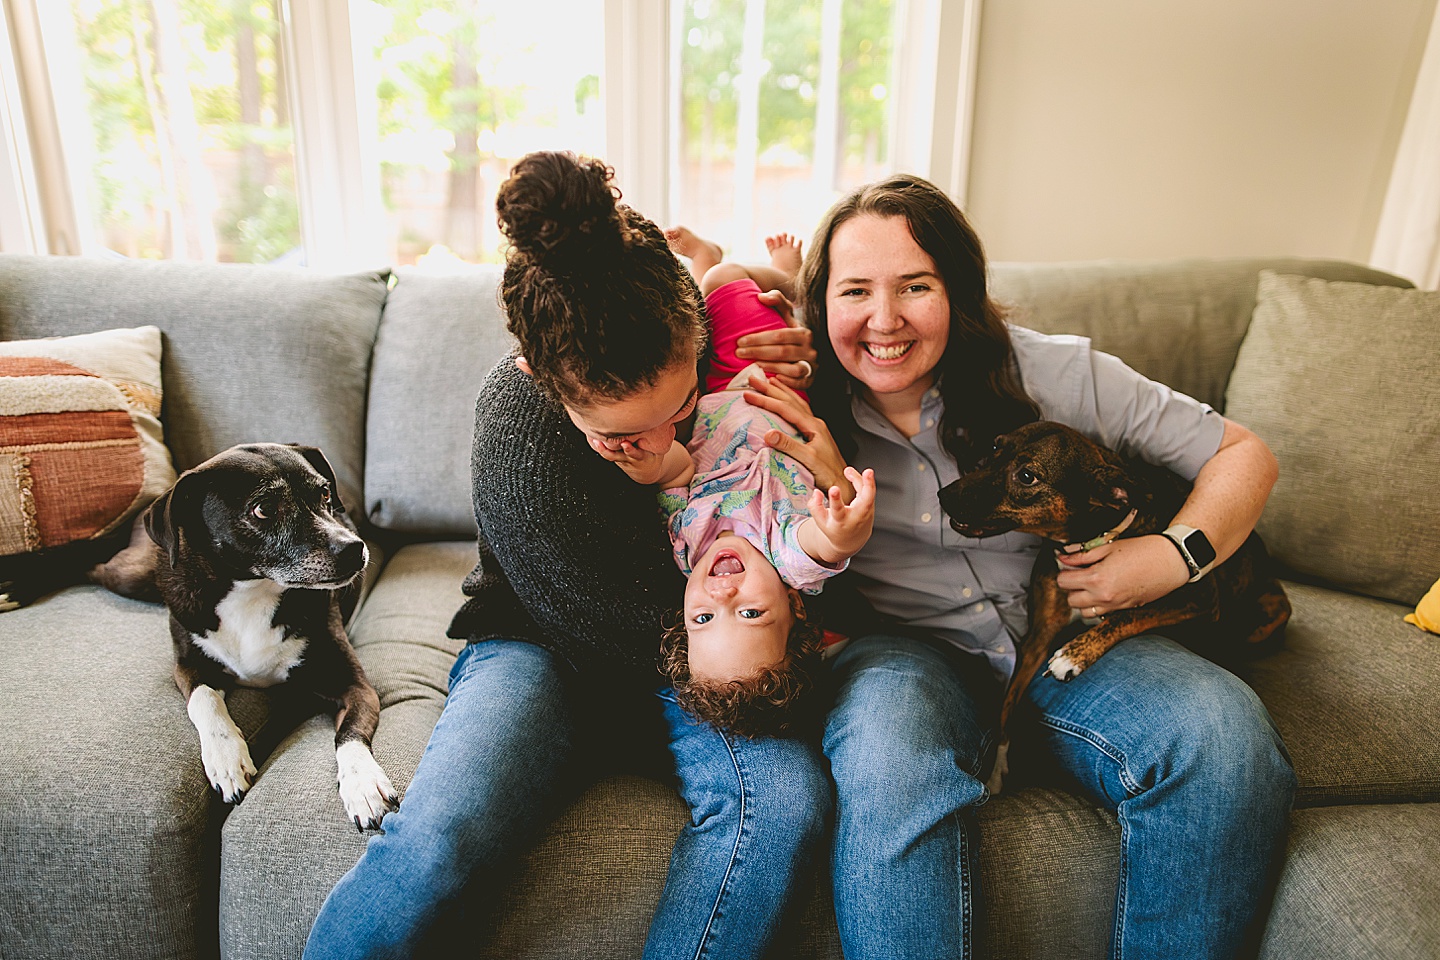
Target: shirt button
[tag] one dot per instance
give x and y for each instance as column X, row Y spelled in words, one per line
column 924, row 518
column 966, row 592
column 930, row 422
column 922, row 467
column 980, row 607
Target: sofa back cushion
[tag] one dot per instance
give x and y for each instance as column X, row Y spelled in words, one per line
column 250, row 352
column 439, row 337
column 1341, row 380
column 1176, row 321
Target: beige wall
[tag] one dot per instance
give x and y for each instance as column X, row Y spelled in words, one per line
column 1165, row 128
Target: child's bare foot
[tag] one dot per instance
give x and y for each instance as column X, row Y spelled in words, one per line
column 702, row 253
column 785, row 253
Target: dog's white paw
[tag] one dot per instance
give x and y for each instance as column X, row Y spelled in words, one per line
column 223, row 749
column 1000, row 770
column 364, row 789
column 1062, row 667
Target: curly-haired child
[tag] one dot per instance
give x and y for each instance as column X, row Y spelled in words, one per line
column 749, row 528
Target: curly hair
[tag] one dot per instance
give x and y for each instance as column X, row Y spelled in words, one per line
column 599, row 304
column 772, row 702
column 977, row 377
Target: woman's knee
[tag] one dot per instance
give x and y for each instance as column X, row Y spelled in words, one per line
column 904, row 730
column 1222, row 738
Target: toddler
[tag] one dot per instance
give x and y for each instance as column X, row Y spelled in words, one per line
column 748, row 526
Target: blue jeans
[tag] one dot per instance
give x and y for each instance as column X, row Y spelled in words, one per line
column 1179, row 749
column 509, row 751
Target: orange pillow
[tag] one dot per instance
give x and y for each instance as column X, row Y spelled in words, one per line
column 82, row 450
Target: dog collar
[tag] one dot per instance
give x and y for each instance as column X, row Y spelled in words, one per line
column 1107, row 537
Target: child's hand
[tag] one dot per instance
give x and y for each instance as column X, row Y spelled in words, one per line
column 846, row 527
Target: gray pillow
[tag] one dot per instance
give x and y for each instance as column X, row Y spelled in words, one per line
column 1342, row 380
column 251, row 352
column 438, row 338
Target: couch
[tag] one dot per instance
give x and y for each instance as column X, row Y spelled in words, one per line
column 112, row 845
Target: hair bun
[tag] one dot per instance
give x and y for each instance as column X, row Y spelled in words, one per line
column 557, row 208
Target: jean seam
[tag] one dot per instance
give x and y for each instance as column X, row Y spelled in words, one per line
column 1132, row 787
column 1121, row 890
column 704, row 943
column 967, row 913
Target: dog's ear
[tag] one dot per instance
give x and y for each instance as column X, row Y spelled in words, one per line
column 168, row 514
column 1112, row 488
column 322, row 466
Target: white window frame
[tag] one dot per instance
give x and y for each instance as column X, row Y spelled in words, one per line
column 337, row 170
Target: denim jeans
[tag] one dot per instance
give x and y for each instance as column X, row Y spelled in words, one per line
column 1179, row 749
column 509, row 751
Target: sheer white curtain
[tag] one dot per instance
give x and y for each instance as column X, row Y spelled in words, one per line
column 1408, row 239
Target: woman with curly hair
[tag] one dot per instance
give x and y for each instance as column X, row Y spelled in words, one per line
column 565, row 609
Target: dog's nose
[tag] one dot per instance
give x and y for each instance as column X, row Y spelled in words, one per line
column 351, row 558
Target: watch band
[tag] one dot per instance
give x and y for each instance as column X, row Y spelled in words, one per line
column 1190, row 542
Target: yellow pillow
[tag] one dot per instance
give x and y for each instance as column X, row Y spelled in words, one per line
column 1427, row 611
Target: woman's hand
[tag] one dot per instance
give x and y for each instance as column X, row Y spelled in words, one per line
column 644, row 466
column 817, row 451
column 1120, row 575
column 787, row 353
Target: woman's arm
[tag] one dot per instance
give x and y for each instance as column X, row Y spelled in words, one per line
column 1229, row 493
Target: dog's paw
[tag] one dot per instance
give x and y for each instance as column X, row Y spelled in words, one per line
column 1000, row 770
column 1062, row 667
column 7, row 602
column 223, row 750
column 364, row 789
column 228, row 766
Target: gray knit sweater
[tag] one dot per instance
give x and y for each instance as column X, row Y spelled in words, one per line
column 573, row 553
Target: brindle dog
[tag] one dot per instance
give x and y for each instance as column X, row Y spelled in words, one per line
column 1051, row 481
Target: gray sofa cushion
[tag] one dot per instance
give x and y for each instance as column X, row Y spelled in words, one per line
column 109, row 825
column 251, row 352
column 1341, row 380
column 1353, row 694
column 439, row 337
column 1359, row 883
column 1176, row 321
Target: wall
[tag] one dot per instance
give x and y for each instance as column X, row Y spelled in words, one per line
column 1162, row 128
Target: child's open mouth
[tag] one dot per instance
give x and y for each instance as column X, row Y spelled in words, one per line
column 727, row 563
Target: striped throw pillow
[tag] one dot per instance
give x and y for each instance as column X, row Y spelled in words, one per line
column 82, row 450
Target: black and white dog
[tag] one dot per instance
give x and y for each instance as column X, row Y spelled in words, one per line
column 258, row 564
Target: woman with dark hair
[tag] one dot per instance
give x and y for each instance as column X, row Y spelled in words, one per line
column 565, row 609
column 919, row 372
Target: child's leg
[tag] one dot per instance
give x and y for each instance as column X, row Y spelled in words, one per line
column 708, row 264
column 702, row 253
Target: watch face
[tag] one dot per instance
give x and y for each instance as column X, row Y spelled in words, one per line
column 1200, row 550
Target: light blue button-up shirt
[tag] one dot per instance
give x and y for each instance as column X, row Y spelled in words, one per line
column 970, row 592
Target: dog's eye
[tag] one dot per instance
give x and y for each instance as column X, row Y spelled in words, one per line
column 325, row 495
column 1026, row 478
column 259, row 512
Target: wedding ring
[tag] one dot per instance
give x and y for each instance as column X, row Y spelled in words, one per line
column 809, row 370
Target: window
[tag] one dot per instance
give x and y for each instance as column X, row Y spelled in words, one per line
column 463, row 89
column 347, row 134
column 784, row 105
column 174, row 119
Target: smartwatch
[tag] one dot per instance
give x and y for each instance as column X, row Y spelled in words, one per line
column 1194, row 547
